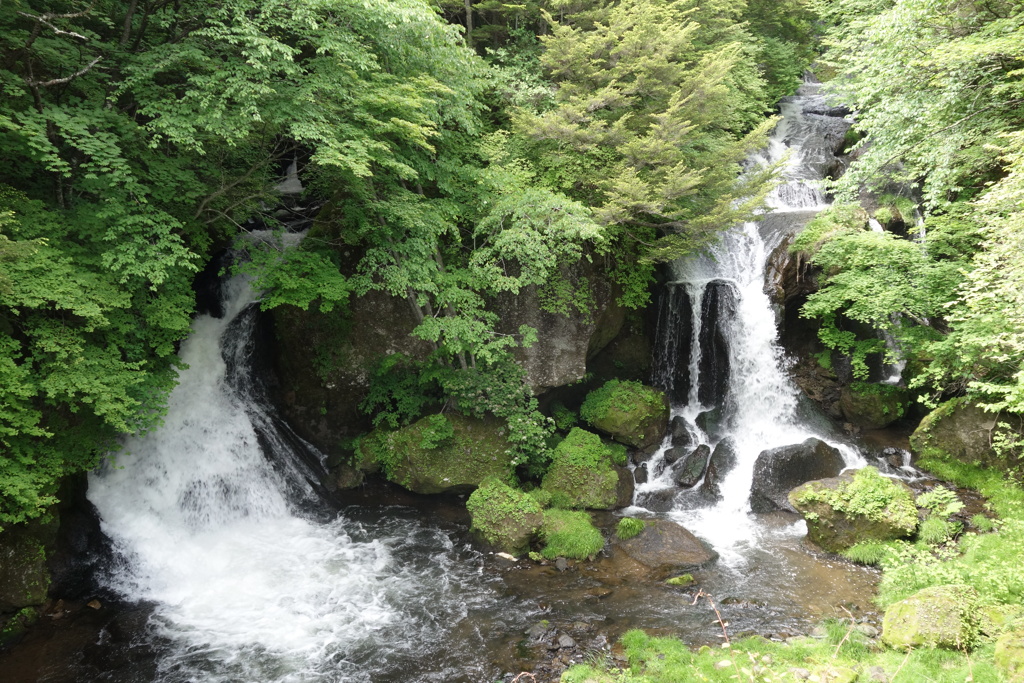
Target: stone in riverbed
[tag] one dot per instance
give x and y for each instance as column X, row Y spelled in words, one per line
column 506, row 518
column 587, row 472
column 667, row 548
column 777, row 471
column 689, row 472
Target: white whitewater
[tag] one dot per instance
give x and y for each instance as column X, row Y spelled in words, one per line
column 244, row 587
column 760, row 408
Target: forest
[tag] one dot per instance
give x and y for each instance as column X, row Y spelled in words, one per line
column 451, row 154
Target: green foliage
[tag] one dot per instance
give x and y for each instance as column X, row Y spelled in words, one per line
column 657, row 103
column 497, row 510
column 936, row 530
column 871, row 495
column 628, row 527
column 868, row 552
column 564, row 418
column 570, row 534
column 437, row 430
column 940, row 502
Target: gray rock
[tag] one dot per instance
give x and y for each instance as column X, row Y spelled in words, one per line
column 779, row 470
column 566, row 641
column 667, row 548
column 689, row 472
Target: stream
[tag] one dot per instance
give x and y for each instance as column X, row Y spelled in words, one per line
column 230, row 565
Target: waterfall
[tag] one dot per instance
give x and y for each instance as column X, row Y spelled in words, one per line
column 215, row 521
column 718, row 356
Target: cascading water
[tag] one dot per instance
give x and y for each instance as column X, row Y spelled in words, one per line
column 203, row 513
column 718, row 357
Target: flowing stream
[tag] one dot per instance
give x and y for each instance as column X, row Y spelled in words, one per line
column 217, row 523
column 717, row 353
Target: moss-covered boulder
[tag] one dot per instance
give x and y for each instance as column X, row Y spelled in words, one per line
column 940, row 616
column 628, row 412
column 873, row 406
column 587, row 472
column 845, row 510
column 24, row 574
column 1009, row 655
column 960, row 430
column 570, row 534
column 504, row 517
column 445, row 453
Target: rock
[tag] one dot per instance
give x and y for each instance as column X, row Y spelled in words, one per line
column 561, row 564
column 640, row 474
column 681, row 437
column 1009, row 655
column 799, row 673
column 718, row 306
column 320, row 391
column 585, row 473
column 24, row 575
column 566, row 641
column 506, row 518
column 691, row 470
column 723, row 460
column 960, row 430
column 941, row 616
column 850, row 508
column 866, row 630
column 565, row 341
column 873, row 406
column 779, row 470
column 344, row 476
column 675, row 454
column 629, row 412
column 712, row 423
column 838, row 674
column 877, row 674
column 667, row 548
column 441, row 453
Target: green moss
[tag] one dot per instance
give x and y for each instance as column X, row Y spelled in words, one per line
column 628, row 527
column 441, row 453
column 684, row 580
column 564, row 418
column 570, row 534
column 940, row 616
column 505, row 517
column 628, row 411
column 869, row 494
column 582, row 474
column 542, row 497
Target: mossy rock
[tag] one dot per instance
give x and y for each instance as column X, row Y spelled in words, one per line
column 1009, row 655
column 941, row 616
column 24, row 574
column 504, row 517
column 585, row 472
column 848, row 509
column 667, row 548
column 628, row 412
column 960, row 430
column 570, row 534
column 441, row 453
column 873, row 406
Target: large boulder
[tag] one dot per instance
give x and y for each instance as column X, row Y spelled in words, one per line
column 863, row 506
column 628, row 412
column 506, row 518
column 566, row 339
column 778, row 471
column 961, row 430
column 1009, row 655
column 723, row 460
column 324, row 363
column 586, row 472
column 873, row 406
column 444, row 453
column 667, row 548
column 941, row 616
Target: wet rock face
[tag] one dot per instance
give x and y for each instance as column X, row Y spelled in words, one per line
column 777, row 471
column 666, row 548
column 940, row 616
column 690, row 471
